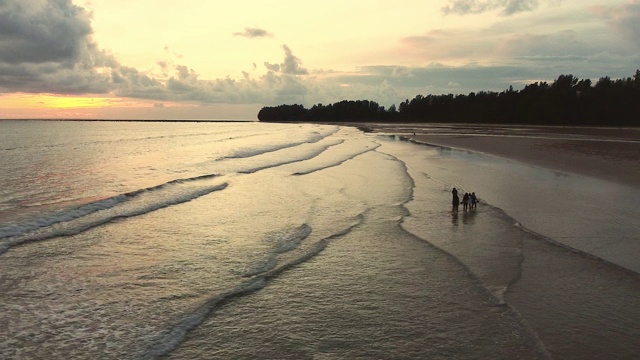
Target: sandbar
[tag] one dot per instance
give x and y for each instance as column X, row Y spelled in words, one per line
column 607, row 153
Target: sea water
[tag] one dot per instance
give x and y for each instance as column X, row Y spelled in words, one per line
column 141, row 240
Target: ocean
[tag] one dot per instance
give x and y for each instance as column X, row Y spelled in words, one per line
column 232, row 240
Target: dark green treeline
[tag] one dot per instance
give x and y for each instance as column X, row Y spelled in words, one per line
column 567, row 101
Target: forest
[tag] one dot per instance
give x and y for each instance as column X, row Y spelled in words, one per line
column 568, row 101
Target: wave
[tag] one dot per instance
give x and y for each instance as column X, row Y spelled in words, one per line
column 337, row 161
column 176, row 336
column 291, row 238
column 254, row 150
column 281, row 242
column 170, row 341
column 85, row 217
column 302, row 157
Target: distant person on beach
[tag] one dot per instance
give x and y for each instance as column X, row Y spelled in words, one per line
column 474, row 200
column 465, row 201
column 455, row 201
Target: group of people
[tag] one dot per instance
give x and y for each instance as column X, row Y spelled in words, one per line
column 469, row 201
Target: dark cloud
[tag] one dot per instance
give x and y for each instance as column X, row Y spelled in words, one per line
column 437, row 78
column 507, row 7
column 253, row 33
column 562, row 44
column 625, row 19
column 46, row 46
column 406, row 82
column 51, row 78
column 35, row 31
column 504, row 42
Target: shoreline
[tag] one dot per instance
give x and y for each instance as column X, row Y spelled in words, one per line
column 606, row 153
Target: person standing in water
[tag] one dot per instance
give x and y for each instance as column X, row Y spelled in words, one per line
column 455, row 201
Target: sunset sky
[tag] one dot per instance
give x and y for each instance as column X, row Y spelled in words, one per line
column 204, row 59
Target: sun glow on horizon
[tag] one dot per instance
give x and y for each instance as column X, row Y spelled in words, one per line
column 53, row 101
column 57, row 106
column 24, row 105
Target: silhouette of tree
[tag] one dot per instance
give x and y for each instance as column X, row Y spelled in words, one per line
column 566, row 101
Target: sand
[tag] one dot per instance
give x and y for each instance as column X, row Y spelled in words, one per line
column 606, row 153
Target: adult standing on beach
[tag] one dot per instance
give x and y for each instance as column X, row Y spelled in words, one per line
column 455, row 201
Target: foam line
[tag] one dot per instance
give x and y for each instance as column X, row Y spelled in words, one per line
column 24, row 227
column 306, row 157
column 132, row 204
column 173, row 338
column 86, row 209
column 253, row 151
column 283, row 241
column 176, row 336
column 337, row 162
column 292, row 238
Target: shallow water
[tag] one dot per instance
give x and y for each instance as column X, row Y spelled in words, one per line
column 199, row 241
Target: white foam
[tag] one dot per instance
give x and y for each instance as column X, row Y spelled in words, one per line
column 171, row 340
column 348, row 151
column 80, row 219
column 290, row 239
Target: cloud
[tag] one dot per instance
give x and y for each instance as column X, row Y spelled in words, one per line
column 253, row 33
column 579, row 35
column 281, row 84
column 507, row 7
column 46, row 47
column 437, row 45
column 389, row 84
column 291, row 64
column 625, row 19
column 39, row 31
column 272, row 67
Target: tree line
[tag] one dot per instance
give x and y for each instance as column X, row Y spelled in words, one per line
column 566, row 101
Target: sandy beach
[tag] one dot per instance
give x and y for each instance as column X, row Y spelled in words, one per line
column 606, row 153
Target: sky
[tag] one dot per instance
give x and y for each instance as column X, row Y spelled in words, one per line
column 204, row 59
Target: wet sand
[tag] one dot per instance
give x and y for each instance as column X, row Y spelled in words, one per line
column 606, row 153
